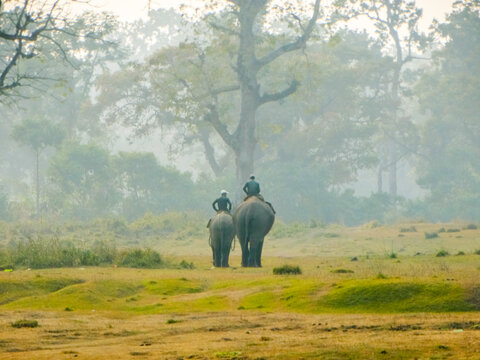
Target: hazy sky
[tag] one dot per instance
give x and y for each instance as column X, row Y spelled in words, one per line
column 130, row 10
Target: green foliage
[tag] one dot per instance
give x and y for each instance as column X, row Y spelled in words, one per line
column 139, row 258
column 38, row 133
column 449, row 92
column 82, row 181
column 287, row 270
column 432, row 235
column 342, row 271
column 471, row 227
column 25, row 323
column 3, row 204
column 149, row 187
column 442, row 253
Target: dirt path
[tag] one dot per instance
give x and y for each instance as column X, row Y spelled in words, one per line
column 240, row 335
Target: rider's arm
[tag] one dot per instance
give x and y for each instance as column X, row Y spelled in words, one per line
column 213, row 205
column 229, row 205
column 245, row 188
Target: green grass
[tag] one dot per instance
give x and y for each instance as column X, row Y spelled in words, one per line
column 173, row 286
column 14, row 290
column 257, row 292
column 396, row 296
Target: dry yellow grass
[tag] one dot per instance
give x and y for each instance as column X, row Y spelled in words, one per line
column 124, row 313
column 239, row 336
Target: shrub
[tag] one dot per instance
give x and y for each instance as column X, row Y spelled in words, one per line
column 431, row 235
column 409, row 229
column 470, row 227
column 172, row 321
column 25, row 323
column 453, row 230
column 186, row 265
column 460, row 253
column 342, row 271
column 442, row 253
column 287, row 270
column 138, row 258
column 477, row 252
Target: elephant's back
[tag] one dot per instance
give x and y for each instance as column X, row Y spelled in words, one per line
column 222, row 219
column 255, row 212
column 255, row 206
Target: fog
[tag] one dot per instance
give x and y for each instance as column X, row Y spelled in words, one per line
column 345, row 114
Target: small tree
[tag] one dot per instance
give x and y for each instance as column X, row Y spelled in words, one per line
column 37, row 134
column 3, row 204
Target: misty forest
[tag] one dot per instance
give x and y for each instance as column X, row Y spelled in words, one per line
column 339, row 123
column 358, row 118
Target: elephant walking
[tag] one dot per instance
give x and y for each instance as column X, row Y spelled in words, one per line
column 222, row 233
column 253, row 220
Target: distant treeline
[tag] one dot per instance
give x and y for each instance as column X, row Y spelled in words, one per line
column 354, row 106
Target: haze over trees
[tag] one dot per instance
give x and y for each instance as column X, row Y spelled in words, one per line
column 296, row 92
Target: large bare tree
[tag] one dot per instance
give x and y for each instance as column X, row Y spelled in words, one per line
column 220, row 77
column 27, row 31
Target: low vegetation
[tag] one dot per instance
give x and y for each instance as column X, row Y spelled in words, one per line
column 25, row 324
column 287, row 270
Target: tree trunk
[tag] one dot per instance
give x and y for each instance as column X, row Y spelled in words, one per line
column 37, row 181
column 392, row 184
column 380, row 179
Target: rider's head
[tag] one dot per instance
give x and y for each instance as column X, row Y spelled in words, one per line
column 224, row 192
column 252, row 177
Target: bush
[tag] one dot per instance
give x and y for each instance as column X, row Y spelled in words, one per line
column 287, row 270
column 453, row 230
column 431, row 235
column 186, row 265
column 138, row 258
column 409, row 229
column 442, row 253
column 342, row 271
column 470, row 227
column 25, row 323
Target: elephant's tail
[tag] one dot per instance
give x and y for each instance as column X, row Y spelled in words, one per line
column 247, row 227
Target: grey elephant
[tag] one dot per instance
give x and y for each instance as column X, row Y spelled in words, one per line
column 253, row 220
column 222, row 233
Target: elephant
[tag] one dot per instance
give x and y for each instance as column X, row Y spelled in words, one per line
column 222, row 233
column 253, row 219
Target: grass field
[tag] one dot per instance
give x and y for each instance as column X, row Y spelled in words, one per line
column 372, row 292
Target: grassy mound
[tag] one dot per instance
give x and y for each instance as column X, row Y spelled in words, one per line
column 396, row 296
column 14, row 290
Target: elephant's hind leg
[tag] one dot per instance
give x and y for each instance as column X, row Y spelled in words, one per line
column 245, row 253
column 255, row 252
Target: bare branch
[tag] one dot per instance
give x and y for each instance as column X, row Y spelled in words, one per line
column 281, row 94
column 297, row 44
column 213, row 118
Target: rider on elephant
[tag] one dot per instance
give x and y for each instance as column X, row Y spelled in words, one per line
column 252, row 188
column 222, row 203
